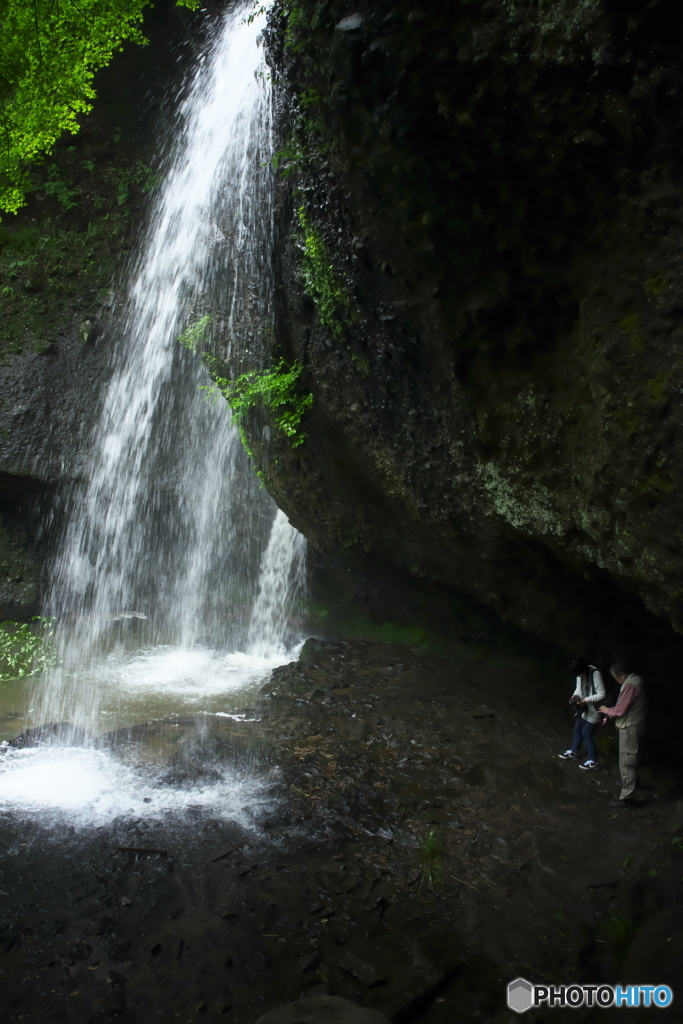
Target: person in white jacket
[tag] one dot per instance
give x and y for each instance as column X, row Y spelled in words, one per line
column 590, row 690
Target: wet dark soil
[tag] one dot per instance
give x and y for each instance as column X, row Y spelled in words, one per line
column 426, row 847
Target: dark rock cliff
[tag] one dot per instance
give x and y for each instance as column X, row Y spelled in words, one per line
column 493, row 336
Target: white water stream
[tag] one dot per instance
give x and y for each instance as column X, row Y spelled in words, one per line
column 176, row 576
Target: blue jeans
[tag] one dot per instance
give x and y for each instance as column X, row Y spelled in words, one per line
column 583, row 733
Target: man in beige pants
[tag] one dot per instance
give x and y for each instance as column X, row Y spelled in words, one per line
column 629, row 715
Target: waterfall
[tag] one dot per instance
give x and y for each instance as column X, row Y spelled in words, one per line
column 174, row 560
column 281, row 582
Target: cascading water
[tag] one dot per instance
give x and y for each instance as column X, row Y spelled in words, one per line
column 281, row 567
column 156, row 588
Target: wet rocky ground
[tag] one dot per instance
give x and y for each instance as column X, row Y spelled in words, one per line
column 421, row 846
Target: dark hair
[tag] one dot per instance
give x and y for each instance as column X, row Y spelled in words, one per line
column 620, row 668
column 579, row 666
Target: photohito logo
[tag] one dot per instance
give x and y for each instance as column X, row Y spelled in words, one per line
column 523, row 996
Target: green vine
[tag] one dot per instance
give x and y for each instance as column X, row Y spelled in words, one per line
column 291, row 10
column 23, row 652
column 296, row 19
column 273, row 388
column 320, row 279
column 288, row 157
column 194, row 333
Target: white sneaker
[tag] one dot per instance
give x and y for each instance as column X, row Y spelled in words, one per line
column 567, row 754
column 589, row 765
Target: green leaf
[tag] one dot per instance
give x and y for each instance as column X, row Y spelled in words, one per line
column 26, row 649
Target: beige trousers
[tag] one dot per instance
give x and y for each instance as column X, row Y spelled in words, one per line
column 628, row 757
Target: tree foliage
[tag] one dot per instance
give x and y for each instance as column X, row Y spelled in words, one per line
column 49, row 53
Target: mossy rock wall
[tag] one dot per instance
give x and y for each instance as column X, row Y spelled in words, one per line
column 499, row 417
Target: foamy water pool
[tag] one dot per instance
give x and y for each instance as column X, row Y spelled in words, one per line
column 92, row 787
column 169, row 734
column 129, row 688
column 186, row 676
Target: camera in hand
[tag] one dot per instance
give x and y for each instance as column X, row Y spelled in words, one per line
column 574, row 699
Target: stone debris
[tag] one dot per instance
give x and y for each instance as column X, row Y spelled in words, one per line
column 323, row 1009
column 365, row 972
column 225, row 853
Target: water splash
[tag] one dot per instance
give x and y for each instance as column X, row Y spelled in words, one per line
column 83, row 786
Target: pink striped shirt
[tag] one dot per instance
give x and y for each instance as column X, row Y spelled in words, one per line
column 627, row 695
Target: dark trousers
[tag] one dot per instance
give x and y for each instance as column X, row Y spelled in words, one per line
column 583, row 733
